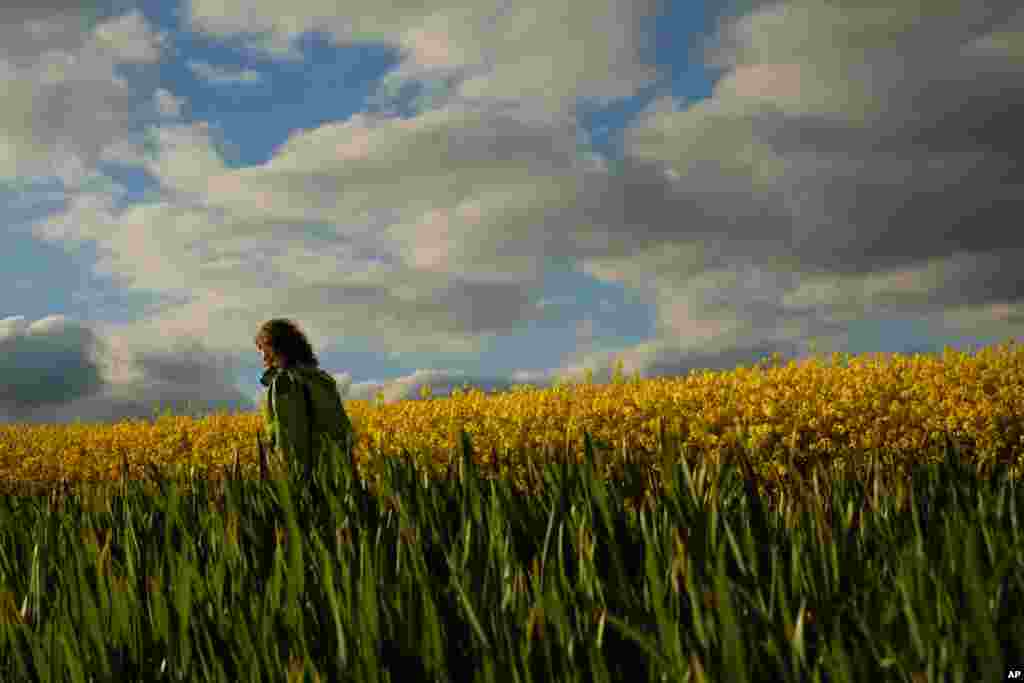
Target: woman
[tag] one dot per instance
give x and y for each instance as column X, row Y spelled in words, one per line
column 303, row 410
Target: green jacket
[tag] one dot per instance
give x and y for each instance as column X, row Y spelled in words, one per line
column 287, row 421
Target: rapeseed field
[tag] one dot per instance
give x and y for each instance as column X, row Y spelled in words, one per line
column 834, row 412
column 853, row 522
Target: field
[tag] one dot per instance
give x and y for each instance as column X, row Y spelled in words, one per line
column 791, row 523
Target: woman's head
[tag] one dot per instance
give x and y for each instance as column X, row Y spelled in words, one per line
column 282, row 343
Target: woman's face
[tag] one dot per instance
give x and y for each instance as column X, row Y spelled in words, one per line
column 270, row 358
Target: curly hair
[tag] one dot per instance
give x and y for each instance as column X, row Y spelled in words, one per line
column 286, row 338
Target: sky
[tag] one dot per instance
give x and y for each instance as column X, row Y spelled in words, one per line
column 499, row 194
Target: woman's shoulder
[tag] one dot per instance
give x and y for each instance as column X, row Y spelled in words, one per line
column 283, row 381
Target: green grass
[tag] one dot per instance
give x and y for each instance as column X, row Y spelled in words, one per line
column 882, row 576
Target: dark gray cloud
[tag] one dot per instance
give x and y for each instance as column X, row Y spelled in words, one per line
column 638, row 208
column 45, row 365
column 867, row 156
column 939, row 170
column 56, row 370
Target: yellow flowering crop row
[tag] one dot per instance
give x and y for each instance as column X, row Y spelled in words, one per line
column 878, row 401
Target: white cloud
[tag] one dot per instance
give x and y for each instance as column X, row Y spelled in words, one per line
column 125, row 152
column 585, row 333
column 499, row 175
column 167, row 104
column 549, row 53
column 408, row 388
column 219, row 75
column 227, row 248
column 130, row 39
column 64, row 101
column 556, row 301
